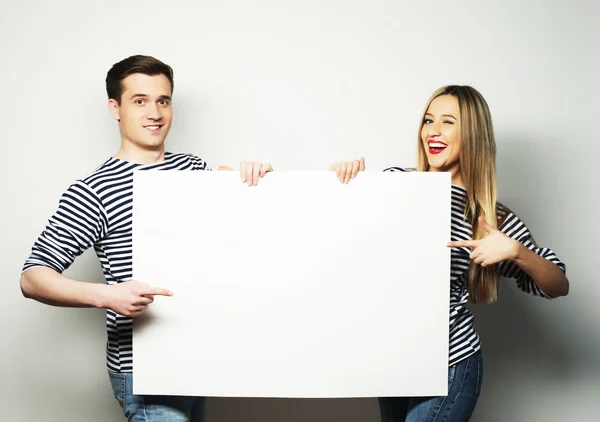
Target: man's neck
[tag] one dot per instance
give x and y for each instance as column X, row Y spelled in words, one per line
column 138, row 155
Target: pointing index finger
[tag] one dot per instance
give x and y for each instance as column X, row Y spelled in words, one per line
column 463, row 244
column 158, row 291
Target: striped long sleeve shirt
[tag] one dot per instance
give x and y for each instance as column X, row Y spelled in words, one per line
column 96, row 211
column 464, row 340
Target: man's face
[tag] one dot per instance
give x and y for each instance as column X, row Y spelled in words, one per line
column 145, row 112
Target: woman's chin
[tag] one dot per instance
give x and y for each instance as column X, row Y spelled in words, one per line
column 437, row 166
column 441, row 165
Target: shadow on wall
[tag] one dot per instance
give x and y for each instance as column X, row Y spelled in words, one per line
column 515, row 334
column 526, row 352
column 533, row 178
column 533, row 346
column 531, row 181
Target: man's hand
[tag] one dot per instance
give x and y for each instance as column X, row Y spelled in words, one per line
column 131, row 298
column 251, row 172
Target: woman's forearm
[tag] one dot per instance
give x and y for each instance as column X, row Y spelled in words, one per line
column 547, row 275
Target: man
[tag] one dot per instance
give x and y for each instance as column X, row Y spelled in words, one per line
column 96, row 211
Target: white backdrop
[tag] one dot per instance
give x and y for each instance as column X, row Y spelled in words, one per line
column 301, row 84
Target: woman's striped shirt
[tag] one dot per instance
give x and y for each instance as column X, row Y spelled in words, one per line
column 464, row 340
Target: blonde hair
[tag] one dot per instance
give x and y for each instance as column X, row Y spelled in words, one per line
column 478, row 169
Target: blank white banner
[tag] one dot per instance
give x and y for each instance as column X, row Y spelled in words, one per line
column 298, row 287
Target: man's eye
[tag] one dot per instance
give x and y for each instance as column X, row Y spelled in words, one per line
column 139, row 102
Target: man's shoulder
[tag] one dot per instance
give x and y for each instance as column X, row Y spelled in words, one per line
column 113, row 171
column 88, row 185
column 184, row 160
column 110, row 169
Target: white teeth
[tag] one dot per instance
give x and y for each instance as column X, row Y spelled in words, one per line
column 437, row 145
column 152, row 127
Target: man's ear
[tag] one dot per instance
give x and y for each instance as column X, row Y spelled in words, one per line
column 113, row 108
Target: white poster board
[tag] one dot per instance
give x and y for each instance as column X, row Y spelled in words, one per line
column 298, row 287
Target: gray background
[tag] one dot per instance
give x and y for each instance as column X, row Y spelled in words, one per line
column 302, row 84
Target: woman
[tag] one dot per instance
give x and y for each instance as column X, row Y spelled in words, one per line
column 487, row 241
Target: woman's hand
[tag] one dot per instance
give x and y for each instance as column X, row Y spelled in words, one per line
column 493, row 249
column 347, row 170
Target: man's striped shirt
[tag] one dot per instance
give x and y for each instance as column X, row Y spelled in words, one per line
column 97, row 212
column 464, row 340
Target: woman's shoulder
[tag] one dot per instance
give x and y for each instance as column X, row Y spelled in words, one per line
column 506, row 217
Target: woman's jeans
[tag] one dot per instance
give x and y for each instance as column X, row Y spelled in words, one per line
column 464, row 386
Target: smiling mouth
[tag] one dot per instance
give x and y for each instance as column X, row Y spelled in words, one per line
column 153, row 128
column 435, row 147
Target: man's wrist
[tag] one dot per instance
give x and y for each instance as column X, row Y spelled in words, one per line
column 99, row 295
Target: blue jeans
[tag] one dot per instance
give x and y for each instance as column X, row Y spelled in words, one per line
column 464, row 386
column 154, row 408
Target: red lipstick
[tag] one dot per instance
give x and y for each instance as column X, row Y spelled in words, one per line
column 435, row 147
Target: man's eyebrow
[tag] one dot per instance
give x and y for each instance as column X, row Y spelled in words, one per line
column 162, row 97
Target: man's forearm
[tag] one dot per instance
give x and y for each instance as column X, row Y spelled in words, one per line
column 48, row 286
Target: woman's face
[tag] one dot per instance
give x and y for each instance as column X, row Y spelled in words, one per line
column 440, row 135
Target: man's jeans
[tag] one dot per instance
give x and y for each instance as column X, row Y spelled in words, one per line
column 154, row 408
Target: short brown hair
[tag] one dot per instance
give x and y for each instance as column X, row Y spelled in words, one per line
column 135, row 64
